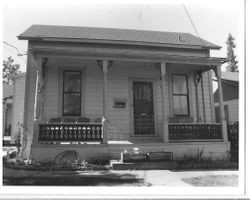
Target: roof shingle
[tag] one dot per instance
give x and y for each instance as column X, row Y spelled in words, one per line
column 114, row 34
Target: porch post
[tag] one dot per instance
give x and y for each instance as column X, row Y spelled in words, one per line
column 38, row 95
column 164, row 110
column 221, row 105
column 105, row 101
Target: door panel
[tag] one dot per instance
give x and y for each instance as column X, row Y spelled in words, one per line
column 143, row 108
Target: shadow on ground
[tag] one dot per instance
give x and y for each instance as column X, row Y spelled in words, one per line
column 99, row 179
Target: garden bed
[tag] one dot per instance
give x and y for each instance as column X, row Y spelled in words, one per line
column 52, row 166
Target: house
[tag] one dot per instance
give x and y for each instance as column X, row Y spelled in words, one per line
column 100, row 91
column 230, row 88
column 7, row 112
column 13, row 107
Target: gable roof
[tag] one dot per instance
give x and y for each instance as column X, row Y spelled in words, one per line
column 52, row 32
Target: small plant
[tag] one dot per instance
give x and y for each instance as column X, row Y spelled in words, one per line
column 18, row 139
column 200, row 154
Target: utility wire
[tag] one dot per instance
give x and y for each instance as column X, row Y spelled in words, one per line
column 13, row 47
column 14, row 53
column 192, row 23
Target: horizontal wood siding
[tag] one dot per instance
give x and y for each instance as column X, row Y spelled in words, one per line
column 118, row 87
column 207, row 97
column 52, row 93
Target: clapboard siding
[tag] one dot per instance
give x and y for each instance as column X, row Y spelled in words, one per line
column 52, row 93
column 118, row 82
column 18, row 105
column 207, row 97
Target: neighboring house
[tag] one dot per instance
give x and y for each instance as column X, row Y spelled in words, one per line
column 13, row 106
column 100, row 91
column 7, row 112
column 230, row 87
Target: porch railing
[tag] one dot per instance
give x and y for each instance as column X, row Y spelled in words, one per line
column 188, row 131
column 71, row 132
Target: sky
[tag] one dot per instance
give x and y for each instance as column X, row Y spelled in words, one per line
column 212, row 19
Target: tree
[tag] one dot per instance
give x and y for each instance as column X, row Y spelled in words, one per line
column 232, row 62
column 10, row 69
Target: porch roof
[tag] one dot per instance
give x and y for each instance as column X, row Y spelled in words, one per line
column 115, row 36
column 124, row 55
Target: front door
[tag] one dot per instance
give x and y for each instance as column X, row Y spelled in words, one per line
column 143, row 108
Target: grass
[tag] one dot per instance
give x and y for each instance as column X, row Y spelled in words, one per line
column 213, row 180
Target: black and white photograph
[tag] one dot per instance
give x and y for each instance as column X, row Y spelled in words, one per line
column 125, row 100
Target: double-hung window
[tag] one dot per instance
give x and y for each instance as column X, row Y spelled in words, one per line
column 180, row 95
column 72, row 81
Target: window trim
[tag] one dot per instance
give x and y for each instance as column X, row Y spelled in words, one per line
column 187, row 95
column 63, row 77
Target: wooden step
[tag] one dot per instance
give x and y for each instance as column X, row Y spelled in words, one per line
column 119, row 165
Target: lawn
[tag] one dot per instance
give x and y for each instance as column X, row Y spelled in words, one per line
column 212, row 180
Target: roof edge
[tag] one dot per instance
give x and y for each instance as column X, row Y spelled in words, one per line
column 54, row 39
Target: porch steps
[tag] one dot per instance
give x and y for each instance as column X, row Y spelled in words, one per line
column 119, row 165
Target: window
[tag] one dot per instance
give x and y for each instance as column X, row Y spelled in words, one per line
column 180, row 95
column 72, row 93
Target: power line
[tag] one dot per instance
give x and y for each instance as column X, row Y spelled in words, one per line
column 192, row 23
column 13, row 46
column 14, row 53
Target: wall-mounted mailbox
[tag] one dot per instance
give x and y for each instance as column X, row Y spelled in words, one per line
column 119, row 102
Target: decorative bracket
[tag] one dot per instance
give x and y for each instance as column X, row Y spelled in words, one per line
column 110, row 63
column 214, row 68
column 44, row 61
column 197, row 77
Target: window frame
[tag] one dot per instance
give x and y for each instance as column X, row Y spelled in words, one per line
column 63, row 92
column 186, row 95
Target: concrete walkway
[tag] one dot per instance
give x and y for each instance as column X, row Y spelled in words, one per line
column 142, row 177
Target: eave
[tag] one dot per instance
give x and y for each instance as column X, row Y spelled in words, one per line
column 101, row 41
